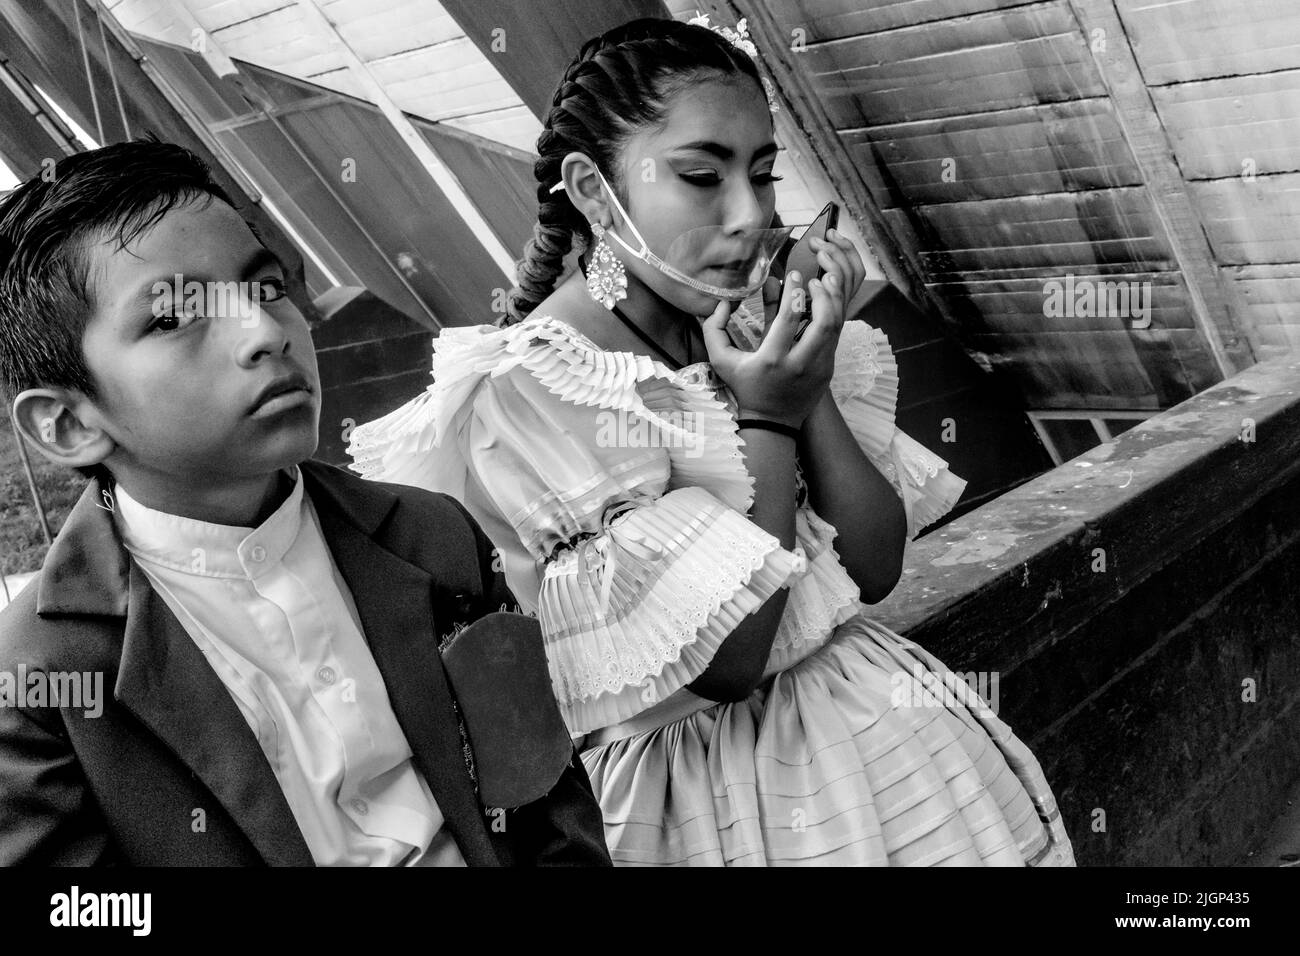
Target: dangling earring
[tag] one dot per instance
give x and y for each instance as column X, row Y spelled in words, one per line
column 606, row 277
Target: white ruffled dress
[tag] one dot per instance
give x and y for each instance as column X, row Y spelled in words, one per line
column 615, row 491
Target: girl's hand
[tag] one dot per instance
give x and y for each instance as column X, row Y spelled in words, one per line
column 839, row 257
column 784, row 379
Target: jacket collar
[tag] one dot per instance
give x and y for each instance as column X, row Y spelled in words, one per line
column 86, row 572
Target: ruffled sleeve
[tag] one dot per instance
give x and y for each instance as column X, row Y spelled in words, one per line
column 865, row 388
column 572, row 459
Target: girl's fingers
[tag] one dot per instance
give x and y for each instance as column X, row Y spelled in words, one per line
column 833, row 259
column 780, row 333
column 854, row 270
column 827, row 317
column 855, row 260
column 714, row 328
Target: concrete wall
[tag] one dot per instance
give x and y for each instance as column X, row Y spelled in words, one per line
column 1139, row 605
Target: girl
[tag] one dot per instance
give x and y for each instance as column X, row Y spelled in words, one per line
column 695, row 522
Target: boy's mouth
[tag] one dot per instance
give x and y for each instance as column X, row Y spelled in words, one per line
column 283, row 393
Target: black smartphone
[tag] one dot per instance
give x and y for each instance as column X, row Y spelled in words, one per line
column 802, row 257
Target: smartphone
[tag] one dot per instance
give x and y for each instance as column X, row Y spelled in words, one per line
column 802, row 258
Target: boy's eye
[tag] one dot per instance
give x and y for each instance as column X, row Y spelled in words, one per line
column 174, row 320
column 270, row 289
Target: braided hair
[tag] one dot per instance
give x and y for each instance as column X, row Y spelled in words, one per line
column 619, row 83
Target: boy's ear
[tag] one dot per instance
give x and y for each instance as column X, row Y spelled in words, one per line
column 53, row 420
column 581, row 182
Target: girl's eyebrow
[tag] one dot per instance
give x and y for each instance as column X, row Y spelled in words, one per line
column 723, row 152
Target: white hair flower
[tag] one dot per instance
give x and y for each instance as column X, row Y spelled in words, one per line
column 740, row 39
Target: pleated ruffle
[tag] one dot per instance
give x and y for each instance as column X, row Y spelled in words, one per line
column 684, row 414
column 865, row 388
column 635, row 614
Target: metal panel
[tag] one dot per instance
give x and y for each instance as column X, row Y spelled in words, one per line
column 1018, row 57
column 1199, row 39
column 1236, row 126
column 1252, row 222
column 531, row 50
column 1038, row 149
column 823, row 20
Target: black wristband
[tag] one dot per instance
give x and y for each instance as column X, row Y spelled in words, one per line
column 766, row 425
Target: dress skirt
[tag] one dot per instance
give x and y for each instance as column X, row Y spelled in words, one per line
column 854, row 756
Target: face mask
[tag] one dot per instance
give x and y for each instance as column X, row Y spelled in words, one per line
column 724, row 263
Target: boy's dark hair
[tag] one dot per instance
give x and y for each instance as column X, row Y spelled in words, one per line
column 118, row 191
column 620, row 82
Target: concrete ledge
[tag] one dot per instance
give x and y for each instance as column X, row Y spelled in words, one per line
column 1127, row 678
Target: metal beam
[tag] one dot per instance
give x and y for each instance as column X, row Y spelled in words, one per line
column 223, row 66
column 30, row 124
column 1212, row 299
column 438, row 170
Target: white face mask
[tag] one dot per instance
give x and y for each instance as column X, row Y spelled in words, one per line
column 738, row 258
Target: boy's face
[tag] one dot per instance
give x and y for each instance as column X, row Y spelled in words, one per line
column 216, row 383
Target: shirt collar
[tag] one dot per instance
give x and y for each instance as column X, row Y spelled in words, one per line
column 205, row 549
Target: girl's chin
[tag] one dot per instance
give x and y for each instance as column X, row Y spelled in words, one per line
column 681, row 296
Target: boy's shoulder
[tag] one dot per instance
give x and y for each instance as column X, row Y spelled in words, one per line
column 58, row 642
column 391, row 510
column 18, row 621
column 428, row 529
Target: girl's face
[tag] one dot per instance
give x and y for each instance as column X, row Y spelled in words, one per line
column 710, row 164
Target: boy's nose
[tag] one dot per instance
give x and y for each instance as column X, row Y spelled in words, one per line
column 260, row 337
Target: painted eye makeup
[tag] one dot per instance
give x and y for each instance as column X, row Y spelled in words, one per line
column 695, row 179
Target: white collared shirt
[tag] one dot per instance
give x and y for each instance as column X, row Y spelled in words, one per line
column 275, row 620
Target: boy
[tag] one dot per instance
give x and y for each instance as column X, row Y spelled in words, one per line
column 232, row 654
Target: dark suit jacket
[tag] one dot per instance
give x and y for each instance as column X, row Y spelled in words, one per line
column 124, row 787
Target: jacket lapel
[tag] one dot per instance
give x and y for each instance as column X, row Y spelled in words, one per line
column 166, row 682
column 394, row 600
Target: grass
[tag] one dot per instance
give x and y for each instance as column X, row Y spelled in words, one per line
column 22, row 545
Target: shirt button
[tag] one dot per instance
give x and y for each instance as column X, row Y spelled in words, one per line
column 360, row 807
column 326, row 675
column 258, row 553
